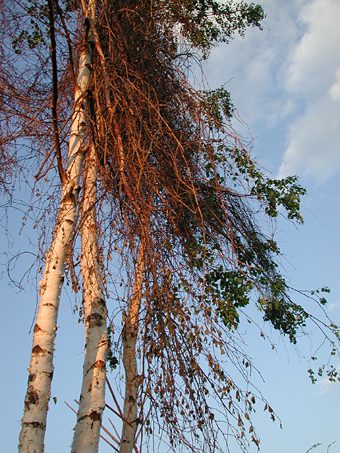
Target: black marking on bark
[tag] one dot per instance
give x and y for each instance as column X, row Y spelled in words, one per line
column 36, row 425
column 69, row 197
column 101, row 301
column 32, row 398
column 94, row 416
column 31, row 377
column 49, row 304
column 95, row 320
column 49, row 374
column 38, row 350
column 99, row 364
column 37, row 328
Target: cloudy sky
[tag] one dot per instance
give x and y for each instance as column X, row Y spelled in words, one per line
column 285, row 83
column 288, row 77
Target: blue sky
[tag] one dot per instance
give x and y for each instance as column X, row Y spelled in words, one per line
column 285, row 83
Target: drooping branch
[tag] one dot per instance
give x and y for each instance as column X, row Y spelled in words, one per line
column 167, row 153
column 54, row 107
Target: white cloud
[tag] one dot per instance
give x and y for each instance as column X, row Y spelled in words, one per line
column 314, row 59
column 313, row 83
column 254, row 65
column 289, row 75
column 334, row 90
column 314, row 142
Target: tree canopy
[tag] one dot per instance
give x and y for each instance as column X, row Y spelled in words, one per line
column 176, row 190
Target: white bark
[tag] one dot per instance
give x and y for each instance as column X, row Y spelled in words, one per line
column 132, row 379
column 41, row 365
column 92, row 397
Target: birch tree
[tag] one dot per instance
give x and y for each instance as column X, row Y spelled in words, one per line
column 178, row 196
column 41, row 364
column 92, row 397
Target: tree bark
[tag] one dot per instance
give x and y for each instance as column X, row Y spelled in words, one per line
column 92, row 397
column 41, row 368
column 132, row 379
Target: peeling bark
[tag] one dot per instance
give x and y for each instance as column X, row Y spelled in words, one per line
column 92, row 397
column 132, row 379
column 32, row 433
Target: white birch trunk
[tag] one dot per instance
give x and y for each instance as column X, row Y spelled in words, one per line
column 92, row 397
column 32, row 434
column 132, row 379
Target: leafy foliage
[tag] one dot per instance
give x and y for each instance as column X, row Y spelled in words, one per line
column 175, row 178
column 205, row 22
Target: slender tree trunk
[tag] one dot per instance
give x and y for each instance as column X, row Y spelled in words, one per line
column 132, row 379
column 92, row 397
column 41, row 365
